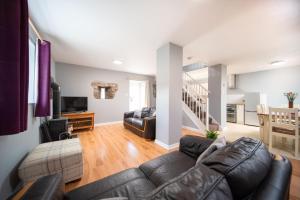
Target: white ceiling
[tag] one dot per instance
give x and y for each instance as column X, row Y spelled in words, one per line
column 244, row 34
column 199, row 74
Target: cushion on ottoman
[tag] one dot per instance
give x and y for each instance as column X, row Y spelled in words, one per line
column 63, row 157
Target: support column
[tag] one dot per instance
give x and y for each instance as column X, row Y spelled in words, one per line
column 217, row 86
column 169, row 95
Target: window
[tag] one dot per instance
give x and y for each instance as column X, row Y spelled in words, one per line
column 102, row 93
column 32, row 82
column 137, row 95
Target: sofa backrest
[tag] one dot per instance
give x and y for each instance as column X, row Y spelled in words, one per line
column 245, row 163
column 198, row 183
column 147, row 112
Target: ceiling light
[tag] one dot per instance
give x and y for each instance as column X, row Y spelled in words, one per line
column 117, row 62
column 277, row 62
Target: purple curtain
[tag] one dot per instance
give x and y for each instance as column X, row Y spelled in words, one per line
column 14, row 66
column 44, row 80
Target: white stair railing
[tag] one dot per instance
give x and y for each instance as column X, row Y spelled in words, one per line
column 196, row 97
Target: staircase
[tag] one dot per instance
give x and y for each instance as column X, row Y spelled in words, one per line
column 195, row 103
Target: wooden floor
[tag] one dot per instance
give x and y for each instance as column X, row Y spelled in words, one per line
column 111, row 148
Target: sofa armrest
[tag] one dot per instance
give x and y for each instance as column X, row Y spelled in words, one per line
column 276, row 185
column 65, row 135
column 193, row 146
column 46, row 188
column 150, row 126
column 128, row 114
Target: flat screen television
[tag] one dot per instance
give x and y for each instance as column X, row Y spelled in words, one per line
column 74, row 104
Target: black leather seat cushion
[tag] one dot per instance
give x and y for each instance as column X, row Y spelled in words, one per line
column 166, row 167
column 128, row 183
column 198, row 183
column 138, row 122
column 128, row 120
column 245, row 163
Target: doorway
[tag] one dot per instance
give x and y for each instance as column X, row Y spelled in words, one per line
column 137, row 95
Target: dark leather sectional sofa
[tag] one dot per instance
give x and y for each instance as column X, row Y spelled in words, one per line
column 142, row 124
column 243, row 169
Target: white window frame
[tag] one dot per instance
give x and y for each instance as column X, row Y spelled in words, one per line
column 33, row 73
column 141, row 92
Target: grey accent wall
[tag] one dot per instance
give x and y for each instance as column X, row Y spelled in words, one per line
column 271, row 82
column 169, row 91
column 217, row 86
column 13, row 149
column 76, row 80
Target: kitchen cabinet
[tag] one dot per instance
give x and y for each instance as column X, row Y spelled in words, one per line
column 240, row 114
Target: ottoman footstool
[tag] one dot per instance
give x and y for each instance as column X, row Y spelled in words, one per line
column 64, row 156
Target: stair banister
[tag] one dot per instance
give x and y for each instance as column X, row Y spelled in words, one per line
column 195, row 96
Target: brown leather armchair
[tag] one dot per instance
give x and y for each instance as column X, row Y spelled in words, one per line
column 142, row 123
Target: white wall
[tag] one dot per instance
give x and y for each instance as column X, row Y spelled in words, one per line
column 76, row 80
column 271, row 82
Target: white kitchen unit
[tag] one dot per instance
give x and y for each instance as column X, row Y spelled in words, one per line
column 240, row 113
column 251, row 101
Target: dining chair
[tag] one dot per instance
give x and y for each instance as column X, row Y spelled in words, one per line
column 262, row 109
column 284, row 122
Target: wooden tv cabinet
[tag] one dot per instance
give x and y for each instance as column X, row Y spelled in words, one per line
column 80, row 120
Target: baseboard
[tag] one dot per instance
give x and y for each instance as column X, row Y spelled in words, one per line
column 192, row 129
column 108, row 123
column 166, row 146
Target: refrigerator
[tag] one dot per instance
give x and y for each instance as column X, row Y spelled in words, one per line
column 251, row 101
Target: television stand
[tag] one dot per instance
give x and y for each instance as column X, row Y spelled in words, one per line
column 80, row 120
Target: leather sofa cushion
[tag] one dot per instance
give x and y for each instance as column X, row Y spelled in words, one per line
column 166, row 167
column 128, row 120
column 128, row 183
column 145, row 112
column 137, row 114
column 245, row 163
column 197, row 183
column 138, row 122
column 152, row 111
column 194, row 145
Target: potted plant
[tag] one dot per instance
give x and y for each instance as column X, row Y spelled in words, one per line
column 212, row 134
column 291, row 96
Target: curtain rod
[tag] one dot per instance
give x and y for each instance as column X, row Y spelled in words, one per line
column 35, row 30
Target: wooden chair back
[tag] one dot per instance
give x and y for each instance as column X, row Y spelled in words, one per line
column 284, row 122
column 262, row 109
column 284, row 118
